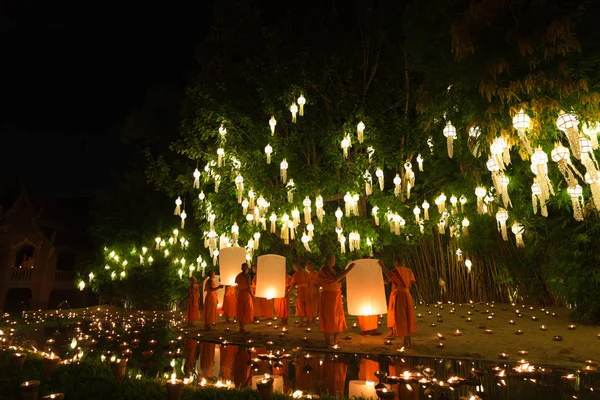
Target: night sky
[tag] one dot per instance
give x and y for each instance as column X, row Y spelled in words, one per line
column 70, row 77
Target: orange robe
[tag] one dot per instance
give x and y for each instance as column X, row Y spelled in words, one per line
column 282, row 305
column 227, row 360
column 307, row 373
column 241, row 368
column 368, row 323
column 367, row 369
column 332, row 318
column 189, row 354
column 264, row 305
column 333, row 375
column 313, row 286
column 207, row 359
column 245, row 307
column 401, row 309
column 193, row 310
column 230, row 302
column 210, row 304
column 304, row 297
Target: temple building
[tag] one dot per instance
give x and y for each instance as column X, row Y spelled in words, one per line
column 43, row 242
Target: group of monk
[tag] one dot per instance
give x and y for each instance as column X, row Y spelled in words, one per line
column 318, row 296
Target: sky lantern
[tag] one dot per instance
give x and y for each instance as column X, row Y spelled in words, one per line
column 365, row 288
column 230, row 263
column 270, row 279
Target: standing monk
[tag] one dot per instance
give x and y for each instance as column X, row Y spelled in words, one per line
column 332, row 319
column 304, row 305
column 229, row 302
column 211, row 301
column 401, row 309
column 282, row 305
column 193, row 310
column 245, row 309
column 313, row 288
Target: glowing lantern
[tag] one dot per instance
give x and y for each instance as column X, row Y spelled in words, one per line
column 454, row 202
column 480, row 193
column 503, row 182
column 568, row 124
column 283, row 170
column 273, row 220
column 183, row 217
column 576, row 193
column 518, row 230
column 379, row 175
column 450, row 133
column 397, row 182
column 591, row 131
column 463, row 200
column 319, row 206
column 157, row 240
column 301, row 103
column 338, row 218
column 256, row 237
column 268, row 152
column 468, row 264
column 271, row 274
column 239, row 187
column 220, row 154
column 81, row 285
column 201, row 196
column 502, row 217
column 177, row 206
column 365, row 288
column 375, row 214
column 417, row 212
column 363, row 390
column 539, row 166
column 370, row 152
column 594, row 183
column 465, row 226
column 196, row 175
column 440, row 202
column 588, row 159
column 245, row 205
column 307, row 203
column 235, row 231
column 368, row 183
column 305, row 239
column 346, row 143
column 277, row 381
column 295, row 217
column 562, row 156
column 290, row 190
column 272, row 124
column 474, row 132
column 425, row 206
column 420, row 162
column 360, row 130
column 222, row 131
column 311, row 229
column 521, row 123
column 294, row 111
column 409, row 175
column 217, row 182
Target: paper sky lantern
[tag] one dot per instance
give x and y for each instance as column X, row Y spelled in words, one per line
column 365, row 288
column 270, row 280
column 230, row 263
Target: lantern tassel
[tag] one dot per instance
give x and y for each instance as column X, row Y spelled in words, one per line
column 450, row 145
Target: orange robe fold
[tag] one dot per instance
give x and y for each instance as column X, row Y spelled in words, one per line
column 282, row 305
column 401, row 309
column 333, row 374
column 189, row 354
column 262, row 307
column 207, row 359
column 229, row 302
column 332, row 318
column 305, row 306
column 315, row 293
column 193, row 309
column 241, row 369
column 308, row 371
column 227, row 361
column 367, row 369
column 368, row 323
column 245, row 307
column 210, row 304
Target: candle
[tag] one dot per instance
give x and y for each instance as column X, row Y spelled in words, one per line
column 440, row 345
column 511, row 322
column 469, row 320
column 308, row 329
column 557, row 338
column 440, row 336
column 591, row 362
column 543, row 328
column 569, row 377
column 503, row 356
column 488, row 331
column 54, row 396
column 457, row 333
column 518, row 332
column 589, row 369
column 19, row 359
column 174, row 387
column 432, row 325
column 388, row 342
column 523, row 353
column 571, row 327
column 534, row 318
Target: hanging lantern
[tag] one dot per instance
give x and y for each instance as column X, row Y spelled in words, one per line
column 370, row 246
column 311, row 230
column 465, row 226
column 319, row 206
column 539, row 166
column 441, row 227
column 251, row 196
column 290, row 190
column 273, row 219
column 256, row 240
column 420, row 162
column 409, row 176
column 379, row 175
column 301, row 103
column 425, row 206
column 294, row 111
column 463, row 200
column 338, row 217
column 196, row 179
column 347, row 204
column 474, row 132
column 183, row 217
column 285, row 232
column 468, row 264
column 370, row 152
column 568, row 124
column 480, row 193
column 365, row 288
column 245, row 205
column 157, row 240
column 588, row 159
column 295, row 218
column 217, row 182
column 503, row 182
column 492, row 166
column 272, row 124
column 177, row 206
column 502, row 217
column 500, row 151
column 307, row 203
column 454, row 202
column 562, row 157
column 235, row 231
column 440, row 202
column 202, row 196
column 283, row 170
column 521, row 123
column 360, row 130
column 305, row 239
column 368, row 183
column 375, row 213
column 594, row 183
column 518, row 230
column 346, row 144
column 397, row 182
column 459, row 255
column 175, row 233
column 239, row 187
column 220, row 154
column 268, row 152
column 450, row 133
column 417, row 212
column 342, row 244
column 576, row 193
column 591, row 130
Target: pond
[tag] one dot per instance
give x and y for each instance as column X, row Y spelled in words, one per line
column 152, row 350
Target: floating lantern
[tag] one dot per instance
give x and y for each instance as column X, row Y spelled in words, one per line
column 502, row 217
column 294, row 111
column 271, row 273
column 450, row 133
column 230, row 263
column 178, row 203
column 268, row 152
column 521, row 123
column 272, row 124
column 365, row 289
column 568, row 124
column 360, row 129
column 301, row 103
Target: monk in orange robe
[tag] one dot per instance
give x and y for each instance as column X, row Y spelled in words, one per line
column 282, row 305
column 265, row 306
column 241, row 368
column 367, row 369
column 401, row 308
column 313, row 286
column 211, row 301
column 245, row 307
column 189, row 354
column 333, row 375
column 193, row 310
column 207, row 359
column 229, row 303
column 228, row 352
column 332, row 318
column 304, row 306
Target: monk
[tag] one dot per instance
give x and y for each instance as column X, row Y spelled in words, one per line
column 211, row 301
column 193, row 310
column 282, row 305
column 401, row 309
column 207, row 359
column 263, row 307
column 228, row 353
column 332, row 319
column 229, row 303
column 245, row 308
column 313, row 286
column 189, row 356
column 304, row 307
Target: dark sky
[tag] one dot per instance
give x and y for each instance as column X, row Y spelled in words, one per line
column 69, row 76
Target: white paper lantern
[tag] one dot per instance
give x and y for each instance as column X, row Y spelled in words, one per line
column 450, row 133
column 272, row 124
column 230, row 263
column 271, row 273
column 365, row 288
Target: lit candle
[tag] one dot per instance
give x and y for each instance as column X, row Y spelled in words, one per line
column 440, row 345
column 511, row 322
column 503, row 356
column 518, row 332
column 557, row 338
column 543, row 328
column 440, row 336
column 571, row 327
column 457, row 332
column 488, row 331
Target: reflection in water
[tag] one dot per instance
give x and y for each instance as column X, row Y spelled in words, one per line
column 333, row 375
